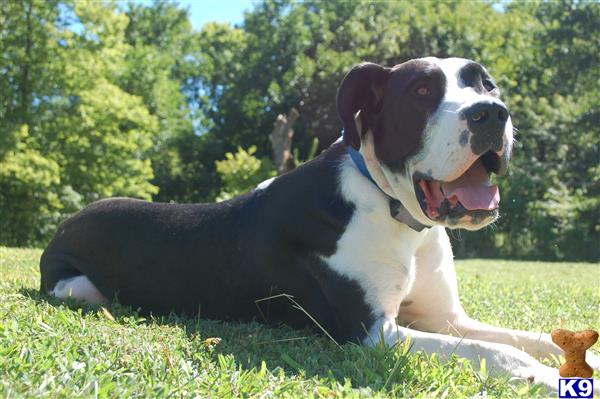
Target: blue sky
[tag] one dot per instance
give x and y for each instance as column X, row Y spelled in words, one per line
column 202, row 11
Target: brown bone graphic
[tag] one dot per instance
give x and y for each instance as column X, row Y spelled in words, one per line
column 575, row 344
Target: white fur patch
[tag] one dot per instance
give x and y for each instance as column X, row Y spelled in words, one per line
column 80, row 288
column 375, row 250
column 265, row 183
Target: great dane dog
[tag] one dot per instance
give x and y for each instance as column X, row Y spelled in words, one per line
column 355, row 238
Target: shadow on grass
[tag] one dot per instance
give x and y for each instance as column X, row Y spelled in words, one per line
column 306, row 352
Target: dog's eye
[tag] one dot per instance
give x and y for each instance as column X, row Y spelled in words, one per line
column 488, row 85
column 423, row 90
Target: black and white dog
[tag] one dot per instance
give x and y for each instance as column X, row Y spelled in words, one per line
column 355, row 237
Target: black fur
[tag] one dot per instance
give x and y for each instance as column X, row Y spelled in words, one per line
column 217, row 260
column 474, row 75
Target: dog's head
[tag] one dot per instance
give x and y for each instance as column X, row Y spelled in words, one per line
column 431, row 131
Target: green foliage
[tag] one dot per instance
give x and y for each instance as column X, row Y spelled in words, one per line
column 28, row 175
column 159, row 62
column 83, row 136
column 242, row 171
column 551, row 200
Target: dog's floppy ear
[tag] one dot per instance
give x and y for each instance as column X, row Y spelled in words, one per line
column 361, row 90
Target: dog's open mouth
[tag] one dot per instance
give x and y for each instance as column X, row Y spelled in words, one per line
column 471, row 193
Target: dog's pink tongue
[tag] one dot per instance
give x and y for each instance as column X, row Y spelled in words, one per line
column 472, row 189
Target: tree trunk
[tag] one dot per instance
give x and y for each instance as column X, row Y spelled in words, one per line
column 281, row 140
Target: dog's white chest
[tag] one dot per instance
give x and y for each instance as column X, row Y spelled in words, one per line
column 376, row 251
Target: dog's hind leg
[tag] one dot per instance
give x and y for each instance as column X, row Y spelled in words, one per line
column 80, row 288
column 62, row 280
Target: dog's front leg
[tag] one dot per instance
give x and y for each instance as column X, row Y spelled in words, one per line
column 458, row 323
column 539, row 345
column 433, row 305
column 500, row 359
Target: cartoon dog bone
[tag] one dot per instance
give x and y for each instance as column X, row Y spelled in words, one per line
column 575, row 344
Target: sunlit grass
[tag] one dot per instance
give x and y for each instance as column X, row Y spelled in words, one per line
column 51, row 349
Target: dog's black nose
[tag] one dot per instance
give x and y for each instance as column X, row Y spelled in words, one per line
column 486, row 116
column 487, row 121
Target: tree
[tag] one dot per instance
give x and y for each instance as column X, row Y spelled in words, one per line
column 72, row 130
column 242, row 172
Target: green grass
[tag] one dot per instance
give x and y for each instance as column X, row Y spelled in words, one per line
column 51, row 349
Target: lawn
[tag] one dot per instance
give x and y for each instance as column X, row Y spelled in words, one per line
column 50, row 349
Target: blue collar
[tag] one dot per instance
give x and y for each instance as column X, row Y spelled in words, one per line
column 397, row 210
column 359, row 161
